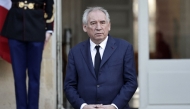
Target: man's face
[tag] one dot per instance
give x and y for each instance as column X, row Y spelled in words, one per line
column 97, row 26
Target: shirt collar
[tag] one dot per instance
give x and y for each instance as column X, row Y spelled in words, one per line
column 102, row 44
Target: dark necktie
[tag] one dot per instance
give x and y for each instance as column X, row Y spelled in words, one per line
column 97, row 60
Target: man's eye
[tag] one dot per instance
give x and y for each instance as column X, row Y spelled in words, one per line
column 103, row 22
column 92, row 23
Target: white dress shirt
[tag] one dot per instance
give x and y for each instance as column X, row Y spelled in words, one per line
column 101, row 50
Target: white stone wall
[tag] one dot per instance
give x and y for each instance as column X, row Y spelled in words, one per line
column 7, row 96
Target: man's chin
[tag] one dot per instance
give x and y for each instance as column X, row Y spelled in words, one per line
column 99, row 38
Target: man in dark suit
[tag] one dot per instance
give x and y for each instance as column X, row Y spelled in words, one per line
column 101, row 70
column 27, row 30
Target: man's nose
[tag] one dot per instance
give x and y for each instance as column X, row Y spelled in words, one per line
column 98, row 26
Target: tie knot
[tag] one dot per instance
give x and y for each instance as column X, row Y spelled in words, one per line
column 97, row 47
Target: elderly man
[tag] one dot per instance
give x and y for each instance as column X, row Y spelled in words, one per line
column 101, row 70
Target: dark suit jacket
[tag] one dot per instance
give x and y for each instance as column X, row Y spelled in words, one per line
column 29, row 24
column 117, row 77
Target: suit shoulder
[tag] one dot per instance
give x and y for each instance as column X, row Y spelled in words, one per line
column 79, row 45
column 122, row 42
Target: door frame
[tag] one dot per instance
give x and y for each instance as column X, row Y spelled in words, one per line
column 143, row 52
column 58, row 45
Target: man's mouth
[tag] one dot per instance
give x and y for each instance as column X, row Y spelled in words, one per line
column 99, row 33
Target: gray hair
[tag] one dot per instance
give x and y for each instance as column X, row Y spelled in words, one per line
column 90, row 9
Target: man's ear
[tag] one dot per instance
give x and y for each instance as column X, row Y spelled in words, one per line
column 84, row 28
column 109, row 26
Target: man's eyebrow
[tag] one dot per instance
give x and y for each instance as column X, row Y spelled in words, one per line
column 103, row 21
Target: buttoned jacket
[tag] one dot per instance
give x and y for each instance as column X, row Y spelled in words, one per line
column 27, row 24
column 116, row 82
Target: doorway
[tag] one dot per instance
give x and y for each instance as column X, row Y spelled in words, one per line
column 122, row 26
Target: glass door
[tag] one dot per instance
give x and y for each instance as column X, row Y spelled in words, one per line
column 164, row 54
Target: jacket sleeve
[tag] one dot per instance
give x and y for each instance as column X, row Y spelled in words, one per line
column 130, row 83
column 49, row 14
column 70, row 83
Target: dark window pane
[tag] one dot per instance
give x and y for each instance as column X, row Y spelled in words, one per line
column 169, row 26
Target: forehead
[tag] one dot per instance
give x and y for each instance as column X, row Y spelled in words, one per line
column 96, row 15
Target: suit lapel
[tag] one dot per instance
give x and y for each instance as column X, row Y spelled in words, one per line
column 110, row 48
column 87, row 56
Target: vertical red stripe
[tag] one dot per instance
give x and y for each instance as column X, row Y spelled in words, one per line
column 4, row 49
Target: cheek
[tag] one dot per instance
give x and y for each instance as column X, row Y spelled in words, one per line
column 107, row 30
column 90, row 29
column 90, row 32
